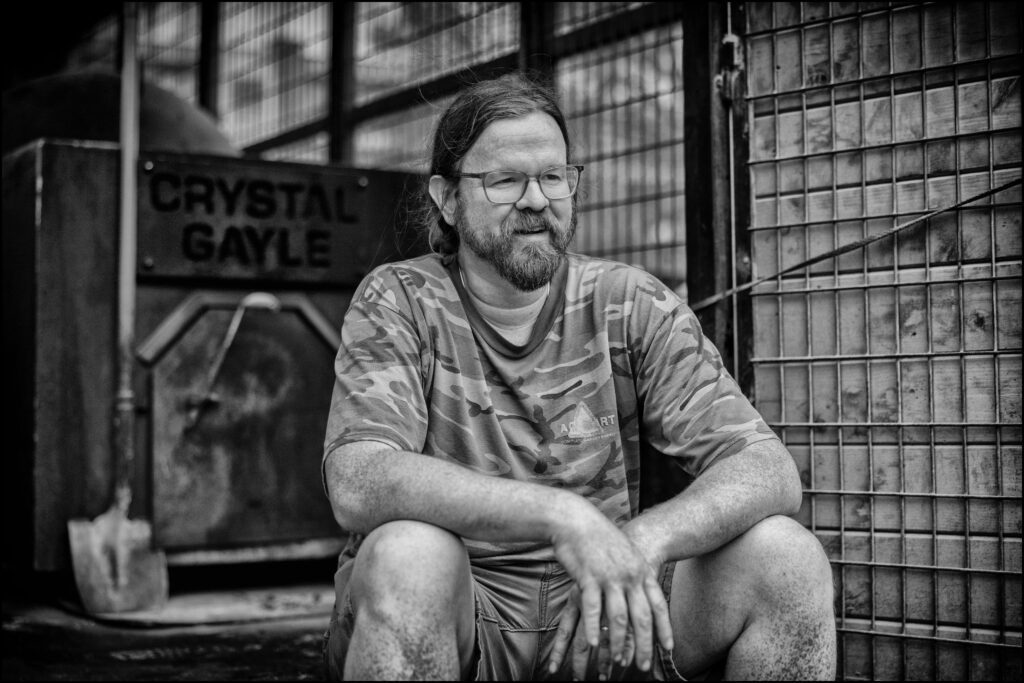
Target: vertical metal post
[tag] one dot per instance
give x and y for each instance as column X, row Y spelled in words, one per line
column 341, row 96
column 209, row 56
column 537, row 25
column 706, row 260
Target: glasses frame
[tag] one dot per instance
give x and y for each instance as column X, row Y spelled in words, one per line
column 481, row 176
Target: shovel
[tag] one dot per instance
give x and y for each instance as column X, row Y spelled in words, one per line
column 116, row 568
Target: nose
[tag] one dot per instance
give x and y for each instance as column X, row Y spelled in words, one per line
column 533, row 198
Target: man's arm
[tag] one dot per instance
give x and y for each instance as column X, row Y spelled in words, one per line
column 370, row 484
column 730, row 497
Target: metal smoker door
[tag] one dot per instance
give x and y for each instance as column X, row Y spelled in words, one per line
column 240, row 401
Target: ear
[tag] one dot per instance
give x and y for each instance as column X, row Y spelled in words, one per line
column 441, row 192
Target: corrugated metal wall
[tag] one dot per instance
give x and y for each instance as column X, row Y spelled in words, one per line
column 893, row 373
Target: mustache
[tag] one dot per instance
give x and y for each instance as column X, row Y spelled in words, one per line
column 529, row 221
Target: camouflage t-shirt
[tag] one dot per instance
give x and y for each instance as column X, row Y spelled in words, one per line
column 615, row 358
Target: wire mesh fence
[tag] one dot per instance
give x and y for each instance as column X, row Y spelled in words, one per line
column 893, row 373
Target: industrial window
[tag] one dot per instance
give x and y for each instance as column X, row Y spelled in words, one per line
column 400, row 45
column 570, row 16
column 168, row 35
column 274, row 66
column 310, row 150
column 893, row 373
column 624, row 104
column 399, row 141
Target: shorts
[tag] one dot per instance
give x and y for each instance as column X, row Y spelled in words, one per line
column 517, row 609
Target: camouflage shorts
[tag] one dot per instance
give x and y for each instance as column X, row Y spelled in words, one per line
column 517, row 609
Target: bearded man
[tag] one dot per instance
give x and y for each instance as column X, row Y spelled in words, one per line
column 483, row 450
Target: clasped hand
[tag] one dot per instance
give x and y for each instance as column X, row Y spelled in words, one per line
column 616, row 604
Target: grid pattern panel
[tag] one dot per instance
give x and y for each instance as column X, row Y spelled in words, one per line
column 402, row 44
column 312, row 150
column 169, row 41
column 400, row 141
column 570, row 16
column 274, row 66
column 893, row 373
column 624, row 105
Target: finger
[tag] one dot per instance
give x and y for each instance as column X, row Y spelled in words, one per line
column 591, row 603
column 617, row 620
column 628, row 648
column 567, row 623
column 604, row 656
column 580, row 654
column 659, row 611
column 640, row 618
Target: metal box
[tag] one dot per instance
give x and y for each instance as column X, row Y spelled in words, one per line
column 245, row 270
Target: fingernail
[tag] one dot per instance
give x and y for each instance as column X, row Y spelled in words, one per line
column 645, row 665
column 602, row 677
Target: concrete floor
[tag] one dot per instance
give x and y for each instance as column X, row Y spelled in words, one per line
column 216, row 626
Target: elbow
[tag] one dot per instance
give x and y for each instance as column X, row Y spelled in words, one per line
column 343, row 496
column 792, row 499
column 791, row 491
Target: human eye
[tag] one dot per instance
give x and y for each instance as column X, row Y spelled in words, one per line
column 553, row 175
column 502, row 179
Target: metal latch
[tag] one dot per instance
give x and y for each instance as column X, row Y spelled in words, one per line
column 727, row 80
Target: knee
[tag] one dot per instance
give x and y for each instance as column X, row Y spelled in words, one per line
column 407, row 560
column 789, row 562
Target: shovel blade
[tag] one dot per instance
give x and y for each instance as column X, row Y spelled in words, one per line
column 116, row 569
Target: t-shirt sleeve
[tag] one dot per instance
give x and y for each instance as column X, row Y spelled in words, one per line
column 378, row 386
column 693, row 410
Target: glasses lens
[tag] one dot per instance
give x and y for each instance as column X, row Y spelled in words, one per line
column 504, row 187
column 559, row 182
column 508, row 187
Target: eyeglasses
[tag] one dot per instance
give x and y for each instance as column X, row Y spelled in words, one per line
column 508, row 187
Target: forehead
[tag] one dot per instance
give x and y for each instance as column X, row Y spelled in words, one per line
column 530, row 142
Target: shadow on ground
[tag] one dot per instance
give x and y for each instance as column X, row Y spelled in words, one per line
column 268, row 625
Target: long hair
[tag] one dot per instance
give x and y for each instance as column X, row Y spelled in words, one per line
column 478, row 106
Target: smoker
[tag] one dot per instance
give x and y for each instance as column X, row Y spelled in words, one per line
column 244, row 271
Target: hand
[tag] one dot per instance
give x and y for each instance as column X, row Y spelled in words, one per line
column 616, row 586
column 569, row 626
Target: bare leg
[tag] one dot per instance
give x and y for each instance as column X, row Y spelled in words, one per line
column 412, row 595
column 764, row 603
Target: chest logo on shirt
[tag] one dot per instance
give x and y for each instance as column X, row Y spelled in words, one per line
column 584, row 425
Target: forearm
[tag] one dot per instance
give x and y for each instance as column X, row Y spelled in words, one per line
column 726, row 500
column 369, row 485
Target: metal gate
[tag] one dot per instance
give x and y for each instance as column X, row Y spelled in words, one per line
column 893, row 372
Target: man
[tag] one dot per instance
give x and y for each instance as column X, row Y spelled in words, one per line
column 483, row 445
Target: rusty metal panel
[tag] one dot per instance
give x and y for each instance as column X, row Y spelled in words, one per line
column 236, row 456
column 59, row 275
column 234, row 219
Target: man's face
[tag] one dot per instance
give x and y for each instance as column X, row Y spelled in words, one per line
column 525, row 241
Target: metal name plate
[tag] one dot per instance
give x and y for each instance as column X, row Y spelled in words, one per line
column 235, row 219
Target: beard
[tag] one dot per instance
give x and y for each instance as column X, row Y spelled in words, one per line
column 529, row 266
